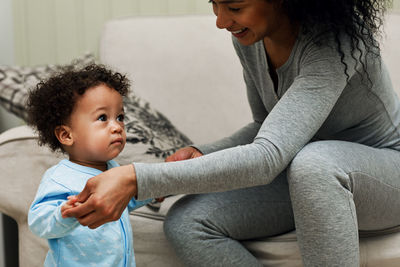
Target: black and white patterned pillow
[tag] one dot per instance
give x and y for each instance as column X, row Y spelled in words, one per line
column 150, row 135
column 16, row 81
column 146, row 125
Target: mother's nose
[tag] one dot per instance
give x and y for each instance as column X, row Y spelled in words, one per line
column 223, row 21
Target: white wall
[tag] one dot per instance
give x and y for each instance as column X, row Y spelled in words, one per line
column 396, row 5
column 6, row 32
column 50, row 31
column 6, row 55
column 56, row 31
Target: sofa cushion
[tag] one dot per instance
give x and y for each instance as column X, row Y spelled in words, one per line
column 391, row 48
column 150, row 131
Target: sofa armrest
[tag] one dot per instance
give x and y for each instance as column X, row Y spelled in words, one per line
column 21, row 169
column 22, row 164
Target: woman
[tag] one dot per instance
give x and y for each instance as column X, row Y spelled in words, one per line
column 321, row 156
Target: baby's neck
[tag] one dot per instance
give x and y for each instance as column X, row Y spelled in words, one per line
column 102, row 166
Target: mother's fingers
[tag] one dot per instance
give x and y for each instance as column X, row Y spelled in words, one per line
column 87, row 190
column 93, row 223
column 98, row 218
column 85, row 220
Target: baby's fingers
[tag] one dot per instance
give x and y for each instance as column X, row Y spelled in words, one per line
column 71, row 200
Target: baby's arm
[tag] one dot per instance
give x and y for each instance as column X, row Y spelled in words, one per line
column 135, row 204
column 44, row 217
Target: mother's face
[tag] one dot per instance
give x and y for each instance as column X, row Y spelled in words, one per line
column 248, row 20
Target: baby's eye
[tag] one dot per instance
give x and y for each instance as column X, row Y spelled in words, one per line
column 121, row 117
column 102, row 117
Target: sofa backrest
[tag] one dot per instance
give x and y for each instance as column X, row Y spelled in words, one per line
column 187, row 69
column 391, row 48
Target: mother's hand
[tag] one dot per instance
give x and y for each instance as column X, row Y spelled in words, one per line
column 104, row 197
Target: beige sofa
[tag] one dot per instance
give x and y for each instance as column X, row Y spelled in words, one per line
column 186, row 69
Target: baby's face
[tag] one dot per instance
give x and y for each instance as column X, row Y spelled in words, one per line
column 97, row 126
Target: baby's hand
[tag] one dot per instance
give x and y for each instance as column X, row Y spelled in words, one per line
column 69, row 204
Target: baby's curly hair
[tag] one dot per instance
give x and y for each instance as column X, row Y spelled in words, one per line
column 51, row 102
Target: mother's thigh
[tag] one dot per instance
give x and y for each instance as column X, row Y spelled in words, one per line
column 370, row 174
column 239, row 214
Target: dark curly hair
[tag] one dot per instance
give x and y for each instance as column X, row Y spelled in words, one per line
column 360, row 20
column 51, row 102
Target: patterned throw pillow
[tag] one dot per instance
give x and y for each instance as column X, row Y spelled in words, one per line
column 16, row 81
column 146, row 125
column 150, row 135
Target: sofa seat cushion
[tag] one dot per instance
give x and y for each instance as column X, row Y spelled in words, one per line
column 377, row 248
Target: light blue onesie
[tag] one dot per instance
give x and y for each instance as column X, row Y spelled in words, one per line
column 72, row 244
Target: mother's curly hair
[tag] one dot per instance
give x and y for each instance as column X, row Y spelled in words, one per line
column 51, row 102
column 360, row 20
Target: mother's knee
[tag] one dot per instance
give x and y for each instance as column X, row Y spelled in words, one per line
column 184, row 219
column 314, row 163
column 177, row 217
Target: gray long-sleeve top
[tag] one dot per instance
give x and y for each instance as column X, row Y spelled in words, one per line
column 313, row 101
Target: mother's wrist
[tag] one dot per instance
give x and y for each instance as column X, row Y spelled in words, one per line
column 132, row 177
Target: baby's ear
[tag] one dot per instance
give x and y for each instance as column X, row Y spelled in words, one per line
column 64, row 136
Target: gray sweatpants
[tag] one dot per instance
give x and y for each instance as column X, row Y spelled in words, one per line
column 329, row 191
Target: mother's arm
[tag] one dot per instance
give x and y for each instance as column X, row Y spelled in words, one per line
column 106, row 196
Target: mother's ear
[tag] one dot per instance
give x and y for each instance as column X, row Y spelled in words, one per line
column 64, row 135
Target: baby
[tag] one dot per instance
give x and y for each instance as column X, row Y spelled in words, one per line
column 80, row 113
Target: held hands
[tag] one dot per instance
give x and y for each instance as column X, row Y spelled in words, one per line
column 104, row 197
column 72, row 202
